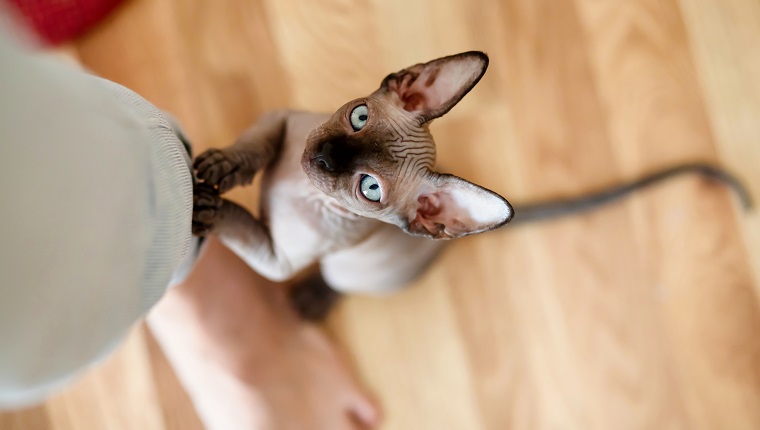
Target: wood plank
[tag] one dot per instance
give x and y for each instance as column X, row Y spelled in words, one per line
column 118, row 394
column 707, row 312
column 723, row 37
column 576, row 278
column 29, row 418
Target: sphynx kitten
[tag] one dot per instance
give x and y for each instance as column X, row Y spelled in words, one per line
column 356, row 191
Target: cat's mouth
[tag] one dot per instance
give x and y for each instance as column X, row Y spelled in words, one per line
column 316, row 160
column 314, row 168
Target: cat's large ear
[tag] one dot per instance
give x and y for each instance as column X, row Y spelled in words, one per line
column 448, row 207
column 433, row 88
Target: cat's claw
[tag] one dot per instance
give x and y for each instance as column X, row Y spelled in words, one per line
column 222, row 169
column 206, row 208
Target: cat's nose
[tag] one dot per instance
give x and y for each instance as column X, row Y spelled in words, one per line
column 324, row 158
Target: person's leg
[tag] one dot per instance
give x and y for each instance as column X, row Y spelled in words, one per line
column 246, row 359
column 97, row 205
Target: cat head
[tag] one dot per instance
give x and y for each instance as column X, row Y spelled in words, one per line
column 376, row 155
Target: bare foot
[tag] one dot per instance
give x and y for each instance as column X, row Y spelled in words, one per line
column 246, row 359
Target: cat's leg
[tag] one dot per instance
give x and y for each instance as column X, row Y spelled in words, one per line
column 312, row 298
column 245, row 235
column 253, row 150
column 388, row 260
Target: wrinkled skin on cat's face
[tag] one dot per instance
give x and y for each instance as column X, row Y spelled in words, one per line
column 392, row 148
column 376, row 155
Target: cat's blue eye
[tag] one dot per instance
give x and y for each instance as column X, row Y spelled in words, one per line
column 359, row 117
column 370, row 188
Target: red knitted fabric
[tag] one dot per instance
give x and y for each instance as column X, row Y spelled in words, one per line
column 57, row 21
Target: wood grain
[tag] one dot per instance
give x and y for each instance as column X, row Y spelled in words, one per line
column 643, row 315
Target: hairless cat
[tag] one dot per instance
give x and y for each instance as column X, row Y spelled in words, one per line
column 356, row 191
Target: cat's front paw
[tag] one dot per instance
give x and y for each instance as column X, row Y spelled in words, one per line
column 223, row 169
column 207, row 205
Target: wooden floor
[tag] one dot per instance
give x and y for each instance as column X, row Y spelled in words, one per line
column 641, row 316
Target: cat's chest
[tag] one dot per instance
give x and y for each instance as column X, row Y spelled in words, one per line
column 295, row 206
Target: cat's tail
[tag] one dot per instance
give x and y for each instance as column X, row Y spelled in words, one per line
column 563, row 207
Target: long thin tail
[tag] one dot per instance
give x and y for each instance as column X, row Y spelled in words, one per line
column 563, row 207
